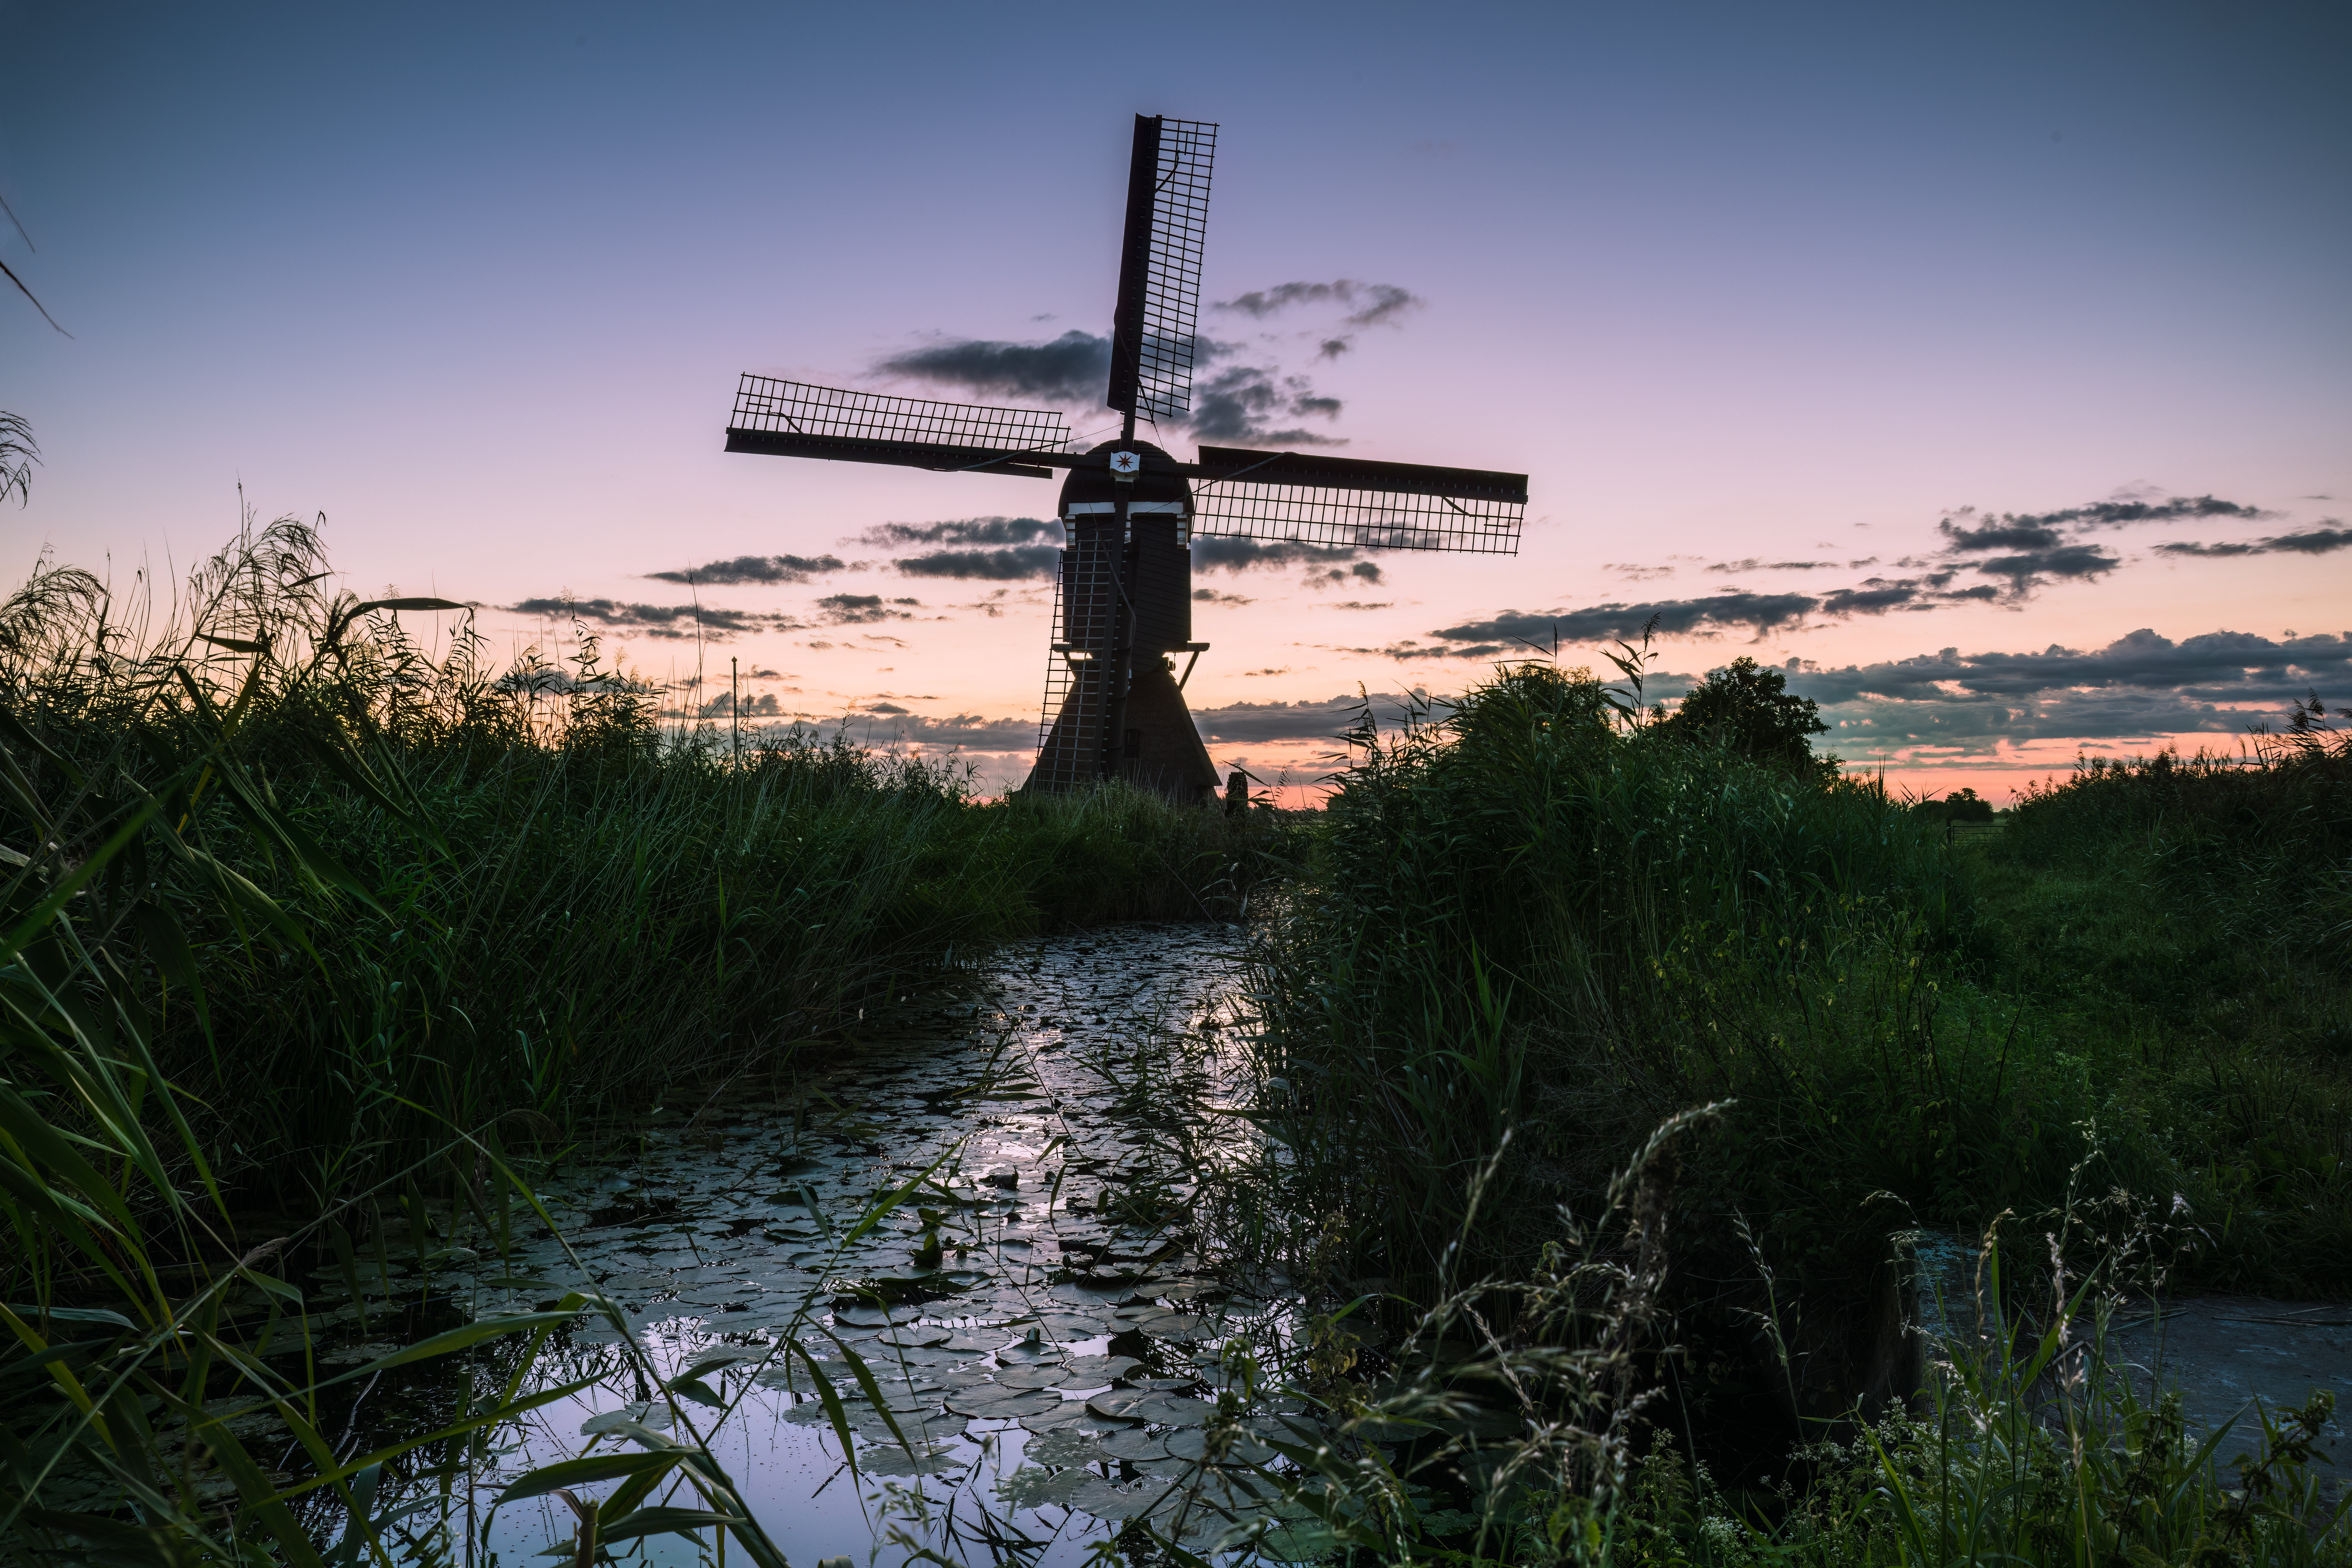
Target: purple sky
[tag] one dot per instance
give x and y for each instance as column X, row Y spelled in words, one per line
column 1761, row 299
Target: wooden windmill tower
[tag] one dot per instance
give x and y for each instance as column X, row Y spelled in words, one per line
column 1130, row 509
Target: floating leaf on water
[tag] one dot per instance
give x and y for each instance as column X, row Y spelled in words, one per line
column 1087, row 1370
column 1031, row 1487
column 915, row 1339
column 889, row 1459
column 1118, row 1402
column 1107, row 1499
column 1071, row 1415
column 1134, row 1444
column 1063, row 1446
column 1046, row 1374
column 994, row 1401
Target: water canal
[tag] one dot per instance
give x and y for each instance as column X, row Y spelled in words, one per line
column 1044, row 1323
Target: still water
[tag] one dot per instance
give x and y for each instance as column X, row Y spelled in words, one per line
column 1040, row 1311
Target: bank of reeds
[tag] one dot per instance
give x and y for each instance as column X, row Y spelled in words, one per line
column 1525, row 913
column 517, row 896
column 2256, row 842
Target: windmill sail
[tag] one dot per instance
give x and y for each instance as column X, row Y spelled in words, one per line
column 1347, row 503
column 793, row 419
column 1159, row 304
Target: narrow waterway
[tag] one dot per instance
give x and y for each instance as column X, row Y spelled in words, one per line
column 1047, row 1335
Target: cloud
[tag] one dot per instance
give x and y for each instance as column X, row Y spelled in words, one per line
column 886, row 724
column 1071, row 368
column 756, row 569
column 1675, row 617
column 1242, row 402
column 1269, row 670
column 2311, row 541
column 1245, row 723
column 963, row 530
column 1637, row 572
column 1998, row 534
column 2140, row 685
column 1250, row 554
column 987, row 565
column 1752, row 565
column 2028, row 570
column 1360, row 605
column 673, row 621
column 1367, row 304
column 1210, row 596
column 1370, row 304
column 722, row 706
column 2121, row 513
column 862, row 609
column 1024, row 547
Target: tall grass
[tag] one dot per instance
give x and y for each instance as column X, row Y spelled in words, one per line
column 2258, row 843
column 309, row 935
column 517, row 896
column 1522, row 915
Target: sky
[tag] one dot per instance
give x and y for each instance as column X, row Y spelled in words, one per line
column 1987, row 368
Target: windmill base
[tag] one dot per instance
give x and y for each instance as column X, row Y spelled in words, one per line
column 1162, row 749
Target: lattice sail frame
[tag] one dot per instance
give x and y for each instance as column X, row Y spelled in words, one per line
column 766, row 403
column 1334, row 518
column 1169, row 306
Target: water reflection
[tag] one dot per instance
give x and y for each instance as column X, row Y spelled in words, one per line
column 1026, row 1348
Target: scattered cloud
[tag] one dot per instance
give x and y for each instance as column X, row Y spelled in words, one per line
column 1758, row 612
column 756, row 569
column 1753, row 565
column 1250, row 554
column 2141, row 685
column 1366, row 304
column 2311, row 541
column 1360, row 605
column 1361, row 572
column 1637, row 572
column 722, row 706
column 1283, row 670
column 1017, row 548
column 1071, row 368
column 863, row 609
column 1243, row 403
column 1369, row 304
column 886, row 724
column 1245, row 723
column 2121, row 513
column 1021, row 561
column 1210, row 596
column 963, row 530
column 672, row 621
column 2030, row 569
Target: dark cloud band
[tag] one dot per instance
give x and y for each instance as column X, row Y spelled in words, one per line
column 756, row 569
column 675, row 621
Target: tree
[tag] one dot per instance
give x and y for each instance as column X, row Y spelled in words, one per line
column 1751, row 709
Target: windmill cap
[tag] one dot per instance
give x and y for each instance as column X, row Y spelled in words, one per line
column 1094, row 488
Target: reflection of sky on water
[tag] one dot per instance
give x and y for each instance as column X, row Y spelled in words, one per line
column 1052, row 1339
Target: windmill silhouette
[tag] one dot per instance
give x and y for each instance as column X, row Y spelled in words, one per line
column 1129, row 510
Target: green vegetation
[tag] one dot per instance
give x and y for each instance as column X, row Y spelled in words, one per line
column 1603, row 1054
column 308, row 938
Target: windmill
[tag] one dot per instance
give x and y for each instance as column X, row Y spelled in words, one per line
column 1129, row 510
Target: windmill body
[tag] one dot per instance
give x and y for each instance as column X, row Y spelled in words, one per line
column 1122, row 644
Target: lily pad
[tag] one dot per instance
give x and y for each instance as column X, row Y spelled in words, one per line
column 1031, row 1487
column 1044, row 1374
column 889, row 1459
column 994, row 1401
column 1063, row 1446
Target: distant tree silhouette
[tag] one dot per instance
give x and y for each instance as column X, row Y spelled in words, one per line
column 1751, row 709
